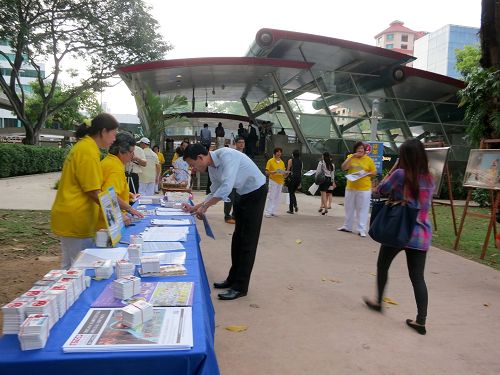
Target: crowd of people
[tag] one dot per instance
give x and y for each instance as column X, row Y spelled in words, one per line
column 134, row 168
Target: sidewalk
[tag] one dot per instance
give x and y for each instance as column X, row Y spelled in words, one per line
column 304, row 311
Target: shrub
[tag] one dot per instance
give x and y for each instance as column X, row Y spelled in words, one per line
column 481, row 197
column 17, row 160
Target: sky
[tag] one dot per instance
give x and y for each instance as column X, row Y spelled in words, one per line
column 224, row 28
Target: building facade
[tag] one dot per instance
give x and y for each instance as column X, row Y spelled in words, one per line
column 398, row 37
column 435, row 52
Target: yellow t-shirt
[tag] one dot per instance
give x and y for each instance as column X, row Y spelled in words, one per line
column 175, row 157
column 357, row 164
column 113, row 173
column 273, row 165
column 161, row 158
column 73, row 213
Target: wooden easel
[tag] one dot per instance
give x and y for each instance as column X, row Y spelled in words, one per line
column 450, row 192
column 494, row 199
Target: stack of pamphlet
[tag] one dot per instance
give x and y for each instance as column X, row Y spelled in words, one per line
column 73, row 286
column 13, row 316
column 150, row 263
column 70, row 296
column 166, row 270
column 34, row 331
column 46, row 305
column 79, row 276
column 137, row 313
column 136, row 239
column 54, row 275
column 126, row 287
column 134, row 253
column 177, row 196
column 103, row 269
column 60, row 292
column 124, row 268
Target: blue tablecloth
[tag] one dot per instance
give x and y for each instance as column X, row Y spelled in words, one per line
column 51, row 360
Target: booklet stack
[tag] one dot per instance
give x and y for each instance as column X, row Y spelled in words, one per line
column 136, row 239
column 72, row 287
column 34, row 331
column 137, row 313
column 166, row 270
column 61, row 294
column 103, row 269
column 126, row 287
column 135, row 253
column 150, row 264
column 79, row 279
column 46, row 305
column 124, row 268
column 13, row 316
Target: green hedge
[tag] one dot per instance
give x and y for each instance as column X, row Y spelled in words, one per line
column 340, row 181
column 18, row 160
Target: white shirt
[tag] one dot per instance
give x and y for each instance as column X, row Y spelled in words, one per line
column 233, row 170
column 148, row 174
column 133, row 167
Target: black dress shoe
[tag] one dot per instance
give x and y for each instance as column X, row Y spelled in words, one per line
column 231, row 294
column 222, row 285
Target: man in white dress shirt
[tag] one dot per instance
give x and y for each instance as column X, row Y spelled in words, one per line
column 230, row 169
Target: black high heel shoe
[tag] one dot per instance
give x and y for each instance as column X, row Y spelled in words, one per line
column 417, row 327
column 325, row 211
column 372, row 305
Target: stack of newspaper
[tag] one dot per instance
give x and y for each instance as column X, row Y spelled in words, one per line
column 34, row 331
column 134, row 253
column 150, row 263
column 126, row 287
column 137, row 313
column 44, row 306
column 13, row 316
column 124, row 268
column 79, row 279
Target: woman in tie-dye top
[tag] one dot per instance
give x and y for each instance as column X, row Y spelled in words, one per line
column 410, row 172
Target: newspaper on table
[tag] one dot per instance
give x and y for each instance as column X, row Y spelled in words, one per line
column 153, row 247
column 174, row 221
column 102, row 330
column 158, row 293
column 167, row 270
column 87, row 258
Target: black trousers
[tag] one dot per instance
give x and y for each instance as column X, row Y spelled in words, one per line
column 133, row 182
column 228, row 205
column 291, row 190
column 415, row 260
column 248, row 211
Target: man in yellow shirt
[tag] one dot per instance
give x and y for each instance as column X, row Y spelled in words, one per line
column 358, row 193
column 275, row 169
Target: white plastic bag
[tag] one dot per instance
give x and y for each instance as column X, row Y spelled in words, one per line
column 313, row 189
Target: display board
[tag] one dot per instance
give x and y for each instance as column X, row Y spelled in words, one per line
column 437, row 158
column 483, row 169
column 112, row 215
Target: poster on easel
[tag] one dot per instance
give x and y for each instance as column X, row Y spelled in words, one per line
column 112, row 215
column 483, row 169
column 437, row 157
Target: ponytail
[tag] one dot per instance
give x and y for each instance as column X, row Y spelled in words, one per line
column 96, row 125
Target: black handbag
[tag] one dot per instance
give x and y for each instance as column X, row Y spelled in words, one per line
column 320, row 177
column 392, row 222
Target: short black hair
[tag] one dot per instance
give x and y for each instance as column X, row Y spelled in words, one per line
column 205, row 125
column 239, row 139
column 296, row 153
column 357, row 145
column 193, row 150
column 277, row 149
column 122, row 144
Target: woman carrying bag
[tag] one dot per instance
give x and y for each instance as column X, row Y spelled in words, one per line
column 326, row 168
column 411, row 181
column 294, row 178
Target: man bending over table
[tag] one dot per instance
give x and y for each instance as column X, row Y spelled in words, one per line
column 230, row 169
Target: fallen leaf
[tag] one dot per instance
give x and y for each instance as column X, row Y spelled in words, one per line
column 254, row 305
column 334, row 280
column 373, row 274
column 290, row 287
column 237, row 328
column 390, row 301
column 486, row 304
column 298, row 242
column 324, row 278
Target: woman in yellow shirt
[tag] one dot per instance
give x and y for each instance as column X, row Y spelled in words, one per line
column 359, row 192
column 113, row 172
column 275, row 169
column 76, row 207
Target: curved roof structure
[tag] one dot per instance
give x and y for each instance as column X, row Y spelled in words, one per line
column 325, row 88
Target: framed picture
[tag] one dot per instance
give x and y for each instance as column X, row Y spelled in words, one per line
column 483, row 169
column 437, row 160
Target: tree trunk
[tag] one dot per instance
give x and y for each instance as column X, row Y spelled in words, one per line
column 490, row 33
column 31, row 136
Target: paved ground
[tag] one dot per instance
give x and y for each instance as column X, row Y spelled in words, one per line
column 304, row 311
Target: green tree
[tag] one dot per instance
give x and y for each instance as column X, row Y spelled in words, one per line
column 160, row 112
column 67, row 116
column 467, row 59
column 99, row 34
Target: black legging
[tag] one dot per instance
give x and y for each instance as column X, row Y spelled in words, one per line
column 415, row 259
column 291, row 190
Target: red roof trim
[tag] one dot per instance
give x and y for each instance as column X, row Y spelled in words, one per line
column 433, row 77
column 182, row 63
column 213, row 115
column 283, row 34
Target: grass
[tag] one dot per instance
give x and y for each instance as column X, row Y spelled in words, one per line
column 472, row 238
column 27, row 232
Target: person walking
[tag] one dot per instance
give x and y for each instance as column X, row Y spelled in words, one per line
column 206, row 136
column 73, row 216
column 228, row 216
column 230, row 169
column 409, row 179
column 150, row 176
column 358, row 193
column 294, row 167
column 326, row 167
column 219, row 136
column 275, row 169
column 251, row 141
